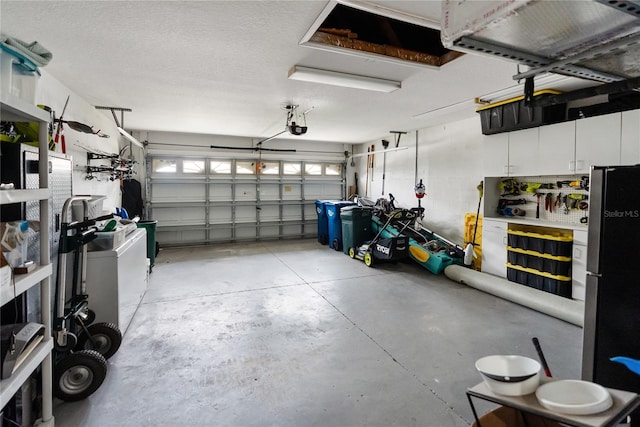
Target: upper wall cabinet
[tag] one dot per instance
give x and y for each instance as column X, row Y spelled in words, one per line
column 496, row 154
column 630, row 138
column 597, row 142
column 565, row 148
column 557, row 147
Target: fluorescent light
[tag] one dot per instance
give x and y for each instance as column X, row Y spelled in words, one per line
column 316, row 75
column 130, row 138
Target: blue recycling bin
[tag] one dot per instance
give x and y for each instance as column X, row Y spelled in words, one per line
column 333, row 220
column 323, row 225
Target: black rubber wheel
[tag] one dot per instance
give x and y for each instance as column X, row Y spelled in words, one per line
column 352, row 252
column 107, row 338
column 336, row 244
column 78, row 375
column 91, row 317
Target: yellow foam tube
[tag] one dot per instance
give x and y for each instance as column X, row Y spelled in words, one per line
column 566, row 309
column 419, row 254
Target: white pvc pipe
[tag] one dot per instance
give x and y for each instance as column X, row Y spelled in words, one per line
column 569, row 310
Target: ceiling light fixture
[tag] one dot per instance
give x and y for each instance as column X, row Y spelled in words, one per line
column 356, row 81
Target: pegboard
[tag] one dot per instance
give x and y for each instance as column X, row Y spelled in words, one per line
column 573, row 214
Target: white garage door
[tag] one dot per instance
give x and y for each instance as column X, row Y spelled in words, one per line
column 201, row 200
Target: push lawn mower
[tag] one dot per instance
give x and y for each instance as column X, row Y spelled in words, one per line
column 81, row 348
column 379, row 248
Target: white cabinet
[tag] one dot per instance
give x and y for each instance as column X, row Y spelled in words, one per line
column 512, row 153
column 525, row 156
column 630, row 138
column 117, row 280
column 597, row 142
column 17, row 110
column 565, row 148
column 494, row 247
column 557, row 149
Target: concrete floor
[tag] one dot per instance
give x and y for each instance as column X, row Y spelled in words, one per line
column 291, row 333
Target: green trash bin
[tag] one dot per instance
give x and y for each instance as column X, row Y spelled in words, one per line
column 150, row 225
column 356, row 227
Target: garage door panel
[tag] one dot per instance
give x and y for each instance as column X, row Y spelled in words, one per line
column 221, row 215
column 180, row 215
column 270, row 213
column 292, row 230
column 291, row 212
column 322, row 190
column 245, row 192
column 178, row 192
column 246, row 232
column 220, row 193
column 221, row 234
column 291, row 191
column 180, row 236
column 246, row 214
column 270, row 192
column 269, row 231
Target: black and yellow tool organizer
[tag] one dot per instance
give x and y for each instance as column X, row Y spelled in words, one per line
column 540, row 258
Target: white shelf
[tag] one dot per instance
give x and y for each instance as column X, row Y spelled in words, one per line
column 9, row 386
column 17, row 110
column 23, row 282
column 18, row 196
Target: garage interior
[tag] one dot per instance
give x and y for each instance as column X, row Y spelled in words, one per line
column 207, row 122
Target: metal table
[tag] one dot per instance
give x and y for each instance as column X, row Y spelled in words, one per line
column 624, row 403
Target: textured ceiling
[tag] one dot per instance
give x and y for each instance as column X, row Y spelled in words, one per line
column 220, row 67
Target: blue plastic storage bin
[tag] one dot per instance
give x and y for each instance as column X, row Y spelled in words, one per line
column 335, row 225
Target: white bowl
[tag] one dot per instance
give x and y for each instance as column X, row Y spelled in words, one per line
column 510, row 375
column 574, row 397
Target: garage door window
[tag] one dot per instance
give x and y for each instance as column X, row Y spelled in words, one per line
column 270, row 168
column 220, row 167
column 291, row 168
column 313, row 169
column 333, row 169
column 193, row 166
column 164, row 166
column 245, row 168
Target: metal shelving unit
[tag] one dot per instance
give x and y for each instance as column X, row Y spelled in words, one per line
column 17, row 110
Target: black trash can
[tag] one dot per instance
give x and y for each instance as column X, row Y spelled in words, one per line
column 356, row 226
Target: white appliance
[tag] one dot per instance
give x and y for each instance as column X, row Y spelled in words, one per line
column 117, row 280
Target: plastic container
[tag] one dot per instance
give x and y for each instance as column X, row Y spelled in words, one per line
column 323, row 225
column 333, row 220
column 18, row 75
column 151, row 226
column 356, row 226
column 106, row 240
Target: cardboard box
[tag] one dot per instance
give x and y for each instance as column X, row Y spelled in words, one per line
column 509, row 417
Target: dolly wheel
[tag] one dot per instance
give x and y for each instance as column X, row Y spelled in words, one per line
column 352, row 252
column 336, row 244
column 368, row 259
column 78, row 375
column 106, row 339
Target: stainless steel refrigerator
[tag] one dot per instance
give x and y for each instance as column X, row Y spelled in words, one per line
column 612, row 302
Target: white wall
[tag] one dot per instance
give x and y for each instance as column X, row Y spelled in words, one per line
column 449, row 163
column 52, row 93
